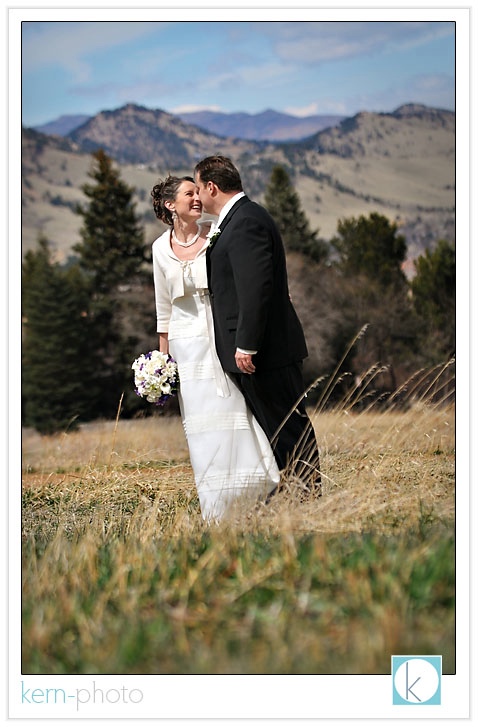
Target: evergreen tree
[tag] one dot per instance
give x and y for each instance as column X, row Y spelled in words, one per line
column 112, row 250
column 58, row 362
column 113, row 256
column 371, row 246
column 283, row 203
column 374, row 292
column 434, row 299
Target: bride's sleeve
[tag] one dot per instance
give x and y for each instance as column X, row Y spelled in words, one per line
column 162, row 296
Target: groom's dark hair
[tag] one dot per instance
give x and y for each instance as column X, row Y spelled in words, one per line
column 221, row 171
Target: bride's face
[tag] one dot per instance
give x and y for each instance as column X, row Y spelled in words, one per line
column 187, row 203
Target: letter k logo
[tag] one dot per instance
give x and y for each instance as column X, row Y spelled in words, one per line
column 416, row 679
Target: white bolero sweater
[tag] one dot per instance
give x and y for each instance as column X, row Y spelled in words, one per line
column 168, row 274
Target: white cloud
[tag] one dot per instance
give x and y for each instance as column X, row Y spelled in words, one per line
column 319, row 42
column 249, row 76
column 191, row 108
column 69, row 44
column 303, row 111
column 324, row 106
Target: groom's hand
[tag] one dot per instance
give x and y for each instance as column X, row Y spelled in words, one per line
column 244, row 363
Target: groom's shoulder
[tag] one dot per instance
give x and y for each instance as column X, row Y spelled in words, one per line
column 246, row 208
column 254, row 208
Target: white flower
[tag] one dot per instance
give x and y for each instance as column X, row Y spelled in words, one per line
column 155, row 376
column 213, row 235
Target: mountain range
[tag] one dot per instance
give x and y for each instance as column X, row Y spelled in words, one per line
column 399, row 164
column 268, row 125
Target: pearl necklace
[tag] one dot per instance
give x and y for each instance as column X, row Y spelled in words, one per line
column 186, row 244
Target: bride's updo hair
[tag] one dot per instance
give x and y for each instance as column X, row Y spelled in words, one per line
column 166, row 192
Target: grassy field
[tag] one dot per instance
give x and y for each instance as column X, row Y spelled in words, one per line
column 121, row 576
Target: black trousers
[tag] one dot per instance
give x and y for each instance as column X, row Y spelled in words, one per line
column 272, row 397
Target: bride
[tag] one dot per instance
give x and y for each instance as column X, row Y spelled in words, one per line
column 229, row 452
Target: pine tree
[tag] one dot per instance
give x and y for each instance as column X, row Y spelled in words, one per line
column 374, row 293
column 112, row 250
column 113, row 255
column 434, row 299
column 283, row 203
column 58, row 363
column 371, row 246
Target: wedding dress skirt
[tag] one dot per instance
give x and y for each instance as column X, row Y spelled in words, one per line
column 230, row 455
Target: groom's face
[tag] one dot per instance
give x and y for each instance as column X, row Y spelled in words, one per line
column 204, row 194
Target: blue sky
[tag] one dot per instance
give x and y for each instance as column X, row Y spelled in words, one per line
column 299, row 67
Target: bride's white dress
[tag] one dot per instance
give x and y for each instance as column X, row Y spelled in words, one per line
column 229, row 452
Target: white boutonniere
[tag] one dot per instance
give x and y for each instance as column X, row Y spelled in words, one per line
column 212, row 238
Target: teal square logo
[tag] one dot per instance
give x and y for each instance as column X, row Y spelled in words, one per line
column 416, row 680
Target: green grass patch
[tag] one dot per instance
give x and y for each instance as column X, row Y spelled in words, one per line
column 248, row 604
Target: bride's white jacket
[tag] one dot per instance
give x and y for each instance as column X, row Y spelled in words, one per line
column 169, row 272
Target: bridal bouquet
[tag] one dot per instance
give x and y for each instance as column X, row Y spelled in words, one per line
column 155, row 376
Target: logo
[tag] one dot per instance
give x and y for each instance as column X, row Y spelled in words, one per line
column 416, row 680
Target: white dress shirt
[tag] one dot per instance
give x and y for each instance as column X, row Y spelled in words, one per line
column 227, row 207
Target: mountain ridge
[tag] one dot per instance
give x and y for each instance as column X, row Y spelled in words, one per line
column 268, row 125
column 137, row 134
column 399, row 164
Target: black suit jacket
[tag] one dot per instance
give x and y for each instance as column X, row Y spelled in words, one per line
column 249, row 291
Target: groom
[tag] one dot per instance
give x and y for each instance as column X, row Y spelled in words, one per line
column 259, row 338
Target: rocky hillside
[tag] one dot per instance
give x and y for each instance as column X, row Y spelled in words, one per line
column 401, row 165
column 137, row 135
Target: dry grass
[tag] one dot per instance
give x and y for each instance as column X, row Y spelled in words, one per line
column 102, row 444
column 384, row 466
column 121, row 575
